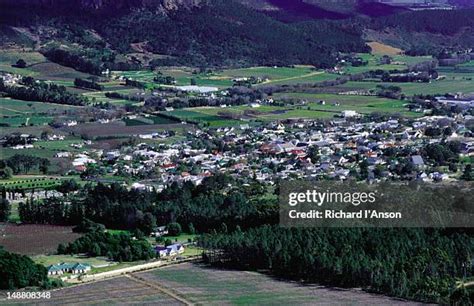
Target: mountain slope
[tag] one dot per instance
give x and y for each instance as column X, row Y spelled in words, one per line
column 192, row 32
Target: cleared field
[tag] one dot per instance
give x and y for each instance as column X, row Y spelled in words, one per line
column 34, row 239
column 205, row 286
column 383, row 49
column 117, row 291
column 199, row 285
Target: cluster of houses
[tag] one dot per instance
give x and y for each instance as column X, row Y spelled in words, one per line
column 282, row 151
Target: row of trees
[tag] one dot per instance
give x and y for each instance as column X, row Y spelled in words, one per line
column 70, row 59
column 87, row 84
column 206, row 206
column 42, row 92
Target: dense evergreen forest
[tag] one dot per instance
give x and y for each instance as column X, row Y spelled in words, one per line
column 418, row 264
column 18, row 271
column 205, row 206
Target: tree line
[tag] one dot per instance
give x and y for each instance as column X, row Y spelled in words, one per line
column 33, row 90
column 417, row 264
column 206, row 206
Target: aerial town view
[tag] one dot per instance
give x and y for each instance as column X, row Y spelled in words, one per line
column 236, row 152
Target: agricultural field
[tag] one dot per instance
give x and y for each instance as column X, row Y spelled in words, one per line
column 400, row 62
column 34, row 239
column 149, row 120
column 17, row 113
column 201, row 285
column 31, row 182
column 195, row 116
column 111, row 292
column 360, row 104
column 119, row 129
column 196, row 284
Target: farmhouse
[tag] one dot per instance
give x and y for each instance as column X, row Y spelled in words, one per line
column 74, row 268
column 171, row 250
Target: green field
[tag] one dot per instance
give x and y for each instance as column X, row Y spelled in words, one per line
column 374, row 63
column 360, row 104
column 17, row 112
column 435, row 87
column 194, row 116
column 31, row 182
column 47, row 260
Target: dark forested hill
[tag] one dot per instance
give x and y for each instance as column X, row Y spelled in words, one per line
column 217, row 32
column 98, row 33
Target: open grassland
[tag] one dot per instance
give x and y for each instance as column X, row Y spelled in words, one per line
column 34, row 239
column 37, row 66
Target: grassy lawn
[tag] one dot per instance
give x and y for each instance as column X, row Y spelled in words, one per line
column 47, row 260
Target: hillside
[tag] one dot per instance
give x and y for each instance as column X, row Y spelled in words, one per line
column 92, row 35
column 192, row 32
